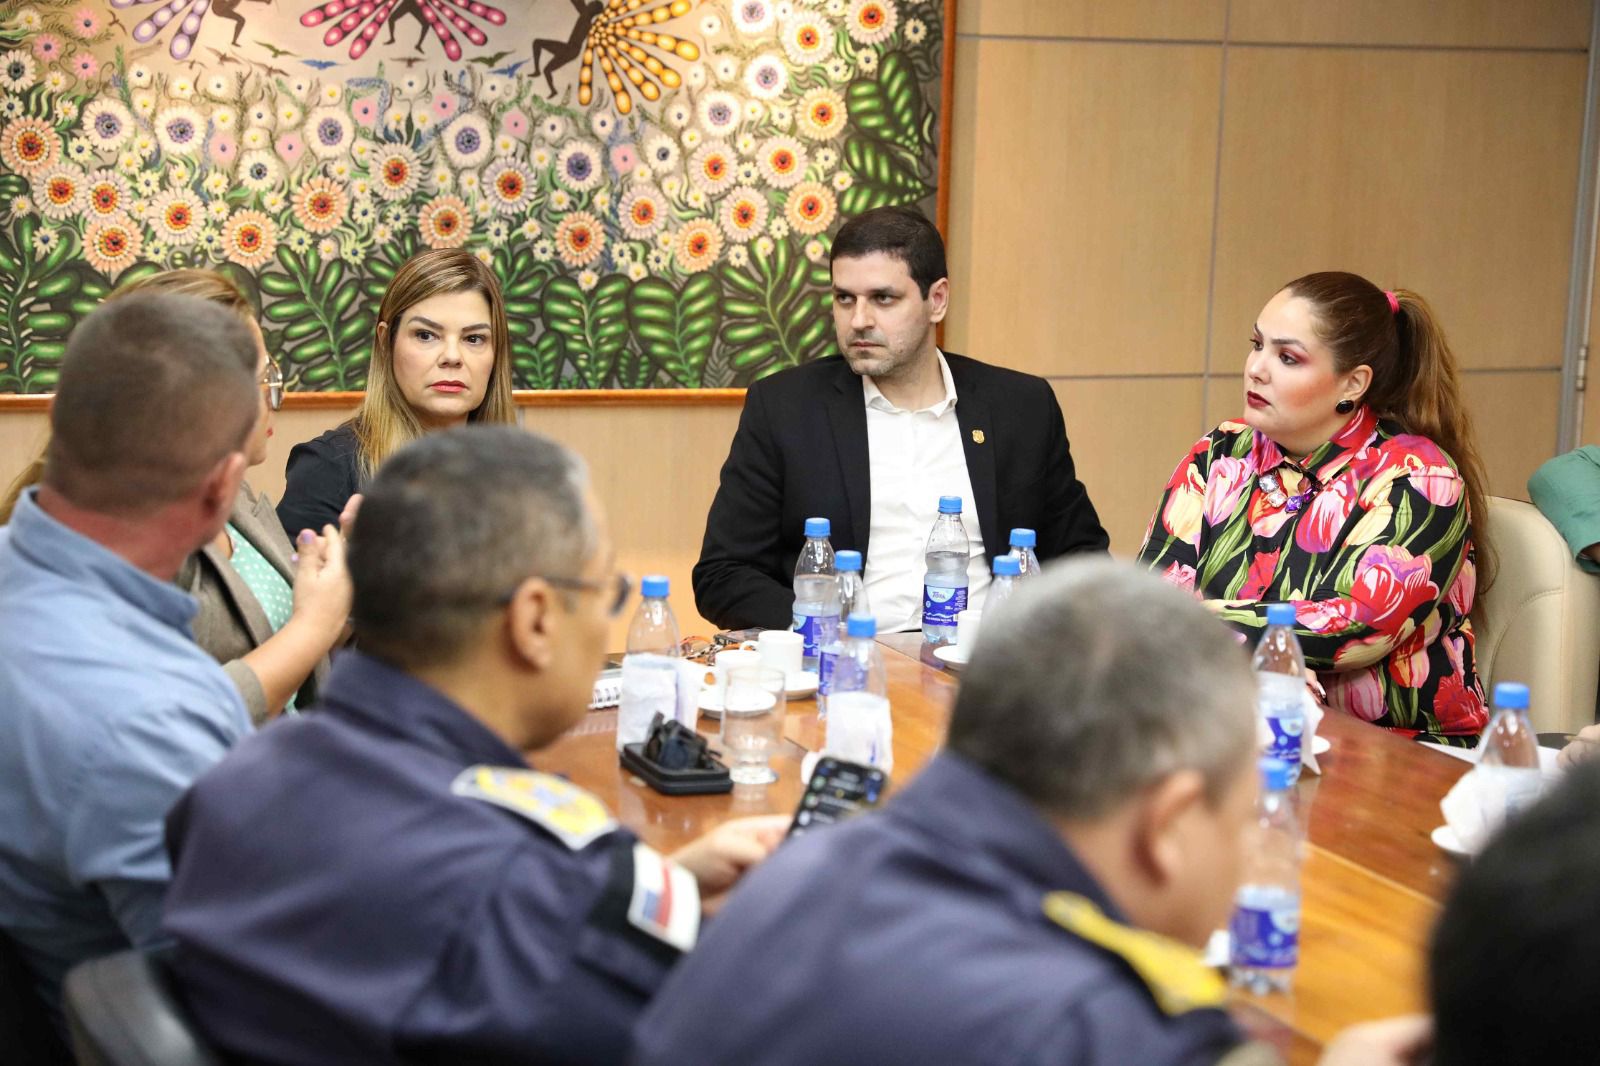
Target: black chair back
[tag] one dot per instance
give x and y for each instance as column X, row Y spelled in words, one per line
column 25, row 1025
column 122, row 1010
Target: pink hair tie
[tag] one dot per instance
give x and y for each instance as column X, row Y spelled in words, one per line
column 1394, row 302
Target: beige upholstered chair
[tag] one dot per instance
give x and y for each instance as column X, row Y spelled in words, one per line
column 1540, row 623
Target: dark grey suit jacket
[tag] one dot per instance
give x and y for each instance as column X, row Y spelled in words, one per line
column 801, row 451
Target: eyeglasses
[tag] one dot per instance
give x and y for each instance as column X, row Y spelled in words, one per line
column 620, row 588
column 272, row 384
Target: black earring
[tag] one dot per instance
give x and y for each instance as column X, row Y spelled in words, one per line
column 1344, row 407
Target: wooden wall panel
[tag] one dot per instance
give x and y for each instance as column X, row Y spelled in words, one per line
column 1514, row 417
column 1081, row 193
column 1452, row 173
column 1153, row 19
column 1457, row 23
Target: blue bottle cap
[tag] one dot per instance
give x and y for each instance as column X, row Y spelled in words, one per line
column 1280, row 614
column 847, row 560
column 818, row 527
column 1024, row 538
column 1275, row 774
column 1007, row 565
column 949, row 504
column 654, row 586
column 1512, row 694
column 861, row 625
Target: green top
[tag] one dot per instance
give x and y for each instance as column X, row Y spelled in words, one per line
column 1567, row 490
column 269, row 587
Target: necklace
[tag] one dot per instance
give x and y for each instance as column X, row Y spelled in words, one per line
column 1277, row 497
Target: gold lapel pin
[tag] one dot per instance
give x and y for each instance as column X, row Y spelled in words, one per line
column 977, row 436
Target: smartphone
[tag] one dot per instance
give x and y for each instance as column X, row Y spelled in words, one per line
column 837, row 790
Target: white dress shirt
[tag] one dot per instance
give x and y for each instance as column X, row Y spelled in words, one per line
column 915, row 457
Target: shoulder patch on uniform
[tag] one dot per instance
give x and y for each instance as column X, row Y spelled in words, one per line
column 567, row 812
column 1175, row 975
column 665, row 902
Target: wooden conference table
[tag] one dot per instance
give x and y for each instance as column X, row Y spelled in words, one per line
column 1373, row 880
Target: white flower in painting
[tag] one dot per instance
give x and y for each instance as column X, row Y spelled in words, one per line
column 494, row 87
column 678, row 115
column 553, row 128
column 467, row 141
column 661, row 152
column 330, row 94
column 263, row 115
column 256, row 137
column 299, row 88
column 219, row 86
column 144, row 104
column 719, row 112
column 529, row 228
column 727, row 68
column 218, row 210
column 328, row 132
column 78, row 150
column 872, row 21
column 560, row 199
column 410, row 85
column 139, row 76
column 657, row 260
column 55, row 81
column 181, row 88
column 752, row 17
column 17, row 71
column 224, row 118
column 739, row 255
column 710, row 25
column 578, row 166
column 216, row 183
column 587, row 280
column 637, row 272
column 692, row 139
column 867, row 62
column 470, row 184
column 602, row 122
column 106, row 123
column 766, row 77
column 180, row 130
column 695, row 76
column 259, row 170
column 916, row 31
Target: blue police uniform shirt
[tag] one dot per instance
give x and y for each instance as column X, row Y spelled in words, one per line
column 334, row 900
column 108, row 711
column 918, row 935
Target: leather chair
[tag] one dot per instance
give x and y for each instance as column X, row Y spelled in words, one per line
column 122, row 1010
column 25, row 1029
column 1540, row 622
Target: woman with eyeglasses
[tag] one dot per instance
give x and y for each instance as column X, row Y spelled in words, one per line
column 441, row 357
column 267, row 620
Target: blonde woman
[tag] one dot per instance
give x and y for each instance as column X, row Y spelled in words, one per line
column 441, row 357
column 269, row 622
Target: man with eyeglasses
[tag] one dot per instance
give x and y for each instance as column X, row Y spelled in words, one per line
column 387, row 880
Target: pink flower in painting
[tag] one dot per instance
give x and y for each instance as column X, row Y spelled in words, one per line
column 624, row 159
column 46, row 46
column 1356, row 692
column 1319, row 529
column 1262, row 568
column 443, row 106
column 223, row 149
column 1225, row 483
column 84, row 65
column 1390, row 585
column 1180, row 575
column 515, row 123
column 364, row 109
column 84, row 23
column 290, row 148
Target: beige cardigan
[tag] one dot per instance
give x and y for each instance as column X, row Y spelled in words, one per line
column 231, row 623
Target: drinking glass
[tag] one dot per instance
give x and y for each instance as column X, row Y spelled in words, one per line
column 752, row 722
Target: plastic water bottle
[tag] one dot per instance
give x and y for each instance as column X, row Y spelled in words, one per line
column 852, row 600
column 1510, row 751
column 816, row 592
column 944, row 586
column 1022, row 544
column 1007, row 572
column 859, row 726
column 650, row 668
column 1265, row 929
column 1281, row 686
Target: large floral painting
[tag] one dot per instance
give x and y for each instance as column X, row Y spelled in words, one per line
column 654, row 181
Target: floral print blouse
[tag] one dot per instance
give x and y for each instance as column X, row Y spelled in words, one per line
column 1367, row 536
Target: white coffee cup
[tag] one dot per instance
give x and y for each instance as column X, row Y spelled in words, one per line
column 781, row 649
column 967, row 623
column 716, row 674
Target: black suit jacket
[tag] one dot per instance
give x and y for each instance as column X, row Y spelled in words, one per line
column 801, row 451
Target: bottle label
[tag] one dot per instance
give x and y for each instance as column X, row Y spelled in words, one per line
column 940, row 605
column 1287, row 740
column 1266, row 938
column 815, row 628
column 825, row 663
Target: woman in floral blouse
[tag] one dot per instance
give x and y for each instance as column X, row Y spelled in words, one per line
column 1353, row 489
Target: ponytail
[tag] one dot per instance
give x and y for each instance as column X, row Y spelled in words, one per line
column 1414, row 377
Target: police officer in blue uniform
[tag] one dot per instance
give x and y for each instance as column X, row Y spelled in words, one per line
column 1037, row 893
column 386, row 879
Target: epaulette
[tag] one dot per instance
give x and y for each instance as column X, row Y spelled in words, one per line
column 1177, row 978
column 556, row 805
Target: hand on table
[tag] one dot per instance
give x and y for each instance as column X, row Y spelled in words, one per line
column 718, row 859
column 1391, row 1042
column 1583, row 746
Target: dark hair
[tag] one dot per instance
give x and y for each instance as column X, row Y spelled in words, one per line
column 1414, row 376
column 1154, row 683
column 155, row 388
column 1513, row 970
column 899, row 232
column 450, row 525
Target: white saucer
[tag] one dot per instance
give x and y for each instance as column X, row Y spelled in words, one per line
column 951, row 656
column 1320, row 745
column 1445, row 837
column 710, row 703
column 800, row 684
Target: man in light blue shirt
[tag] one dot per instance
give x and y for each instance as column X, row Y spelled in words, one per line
column 108, row 709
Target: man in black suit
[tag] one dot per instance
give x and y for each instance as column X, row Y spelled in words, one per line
column 872, row 439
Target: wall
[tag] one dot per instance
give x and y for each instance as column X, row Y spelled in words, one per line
column 1131, row 182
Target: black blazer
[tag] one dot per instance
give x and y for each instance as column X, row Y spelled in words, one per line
column 321, row 476
column 801, row 450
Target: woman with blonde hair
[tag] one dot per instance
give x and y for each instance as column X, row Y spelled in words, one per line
column 441, row 357
column 267, row 620
column 1353, row 489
